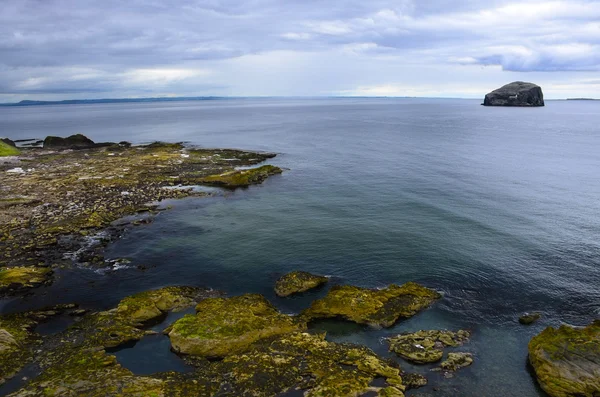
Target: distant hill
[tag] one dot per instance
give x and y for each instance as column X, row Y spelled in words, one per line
column 581, row 99
column 107, row 100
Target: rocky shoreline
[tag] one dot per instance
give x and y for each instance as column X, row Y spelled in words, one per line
column 55, row 199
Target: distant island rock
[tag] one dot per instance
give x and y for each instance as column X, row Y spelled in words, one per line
column 517, row 93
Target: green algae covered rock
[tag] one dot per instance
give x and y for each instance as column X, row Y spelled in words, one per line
column 223, row 326
column 566, row 360
column 301, row 361
column 529, row 318
column 426, row 346
column 295, row 282
column 373, row 307
column 21, row 277
column 152, row 305
column 242, row 178
column 456, row 361
column 8, row 150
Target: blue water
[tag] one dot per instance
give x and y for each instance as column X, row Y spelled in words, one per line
column 495, row 207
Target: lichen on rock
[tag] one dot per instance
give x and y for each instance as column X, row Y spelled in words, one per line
column 566, row 360
column 296, row 282
column 426, row 346
column 381, row 307
column 224, row 326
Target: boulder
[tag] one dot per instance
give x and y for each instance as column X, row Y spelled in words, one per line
column 566, row 360
column 456, row 361
column 375, row 307
column 529, row 318
column 296, row 282
column 423, row 347
column 224, row 326
column 517, row 93
column 77, row 141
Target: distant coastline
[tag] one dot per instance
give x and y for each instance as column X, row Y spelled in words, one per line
column 582, row 99
column 109, row 100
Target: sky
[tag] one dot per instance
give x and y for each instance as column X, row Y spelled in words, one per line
column 74, row 49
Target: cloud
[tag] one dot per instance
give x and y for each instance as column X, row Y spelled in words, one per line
column 297, row 47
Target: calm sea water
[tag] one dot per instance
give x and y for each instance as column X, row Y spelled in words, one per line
column 496, row 207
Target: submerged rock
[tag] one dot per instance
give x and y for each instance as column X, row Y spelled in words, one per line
column 242, row 178
column 14, row 279
column 456, row 361
column 224, row 326
column 517, row 93
column 426, row 346
column 413, row 381
column 566, row 360
column 295, row 282
column 77, row 141
column 381, row 307
column 529, row 318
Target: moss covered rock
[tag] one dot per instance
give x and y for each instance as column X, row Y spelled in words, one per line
column 381, row 307
column 566, row 360
column 242, row 178
column 16, row 278
column 529, row 318
column 426, row 346
column 224, row 326
column 456, row 361
column 295, row 282
column 8, row 150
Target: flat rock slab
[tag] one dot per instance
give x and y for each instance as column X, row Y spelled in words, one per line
column 426, row 346
column 296, row 282
column 224, row 326
column 380, row 308
column 566, row 360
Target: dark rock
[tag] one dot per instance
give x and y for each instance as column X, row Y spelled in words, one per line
column 517, row 93
column 529, row 318
column 8, row 142
column 77, row 141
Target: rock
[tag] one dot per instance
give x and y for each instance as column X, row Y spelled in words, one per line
column 456, row 361
column 224, row 326
column 242, row 178
column 14, row 279
column 566, row 361
column 413, row 381
column 517, row 93
column 426, row 346
column 380, row 308
column 9, row 142
column 8, row 150
column 77, row 141
column 529, row 318
column 295, row 282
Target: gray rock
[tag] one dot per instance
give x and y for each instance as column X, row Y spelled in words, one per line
column 517, row 93
column 77, row 141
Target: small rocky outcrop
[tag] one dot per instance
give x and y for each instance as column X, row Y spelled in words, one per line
column 296, row 282
column 77, row 141
column 8, row 141
column 375, row 307
column 224, row 326
column 566, row 360
column 517, row 93
column 456, row 361
column 14, row 279
column 426, row 346
column 242, row 178
column 529, row 318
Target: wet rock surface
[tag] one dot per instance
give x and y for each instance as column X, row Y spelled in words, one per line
column 15, row 279
column 380, row 308
column 456, row 361
column 566, row 360
column 296, row 282
column 529, row 318
column 426, row 346
column 518, row 93
column 242, row 178
column 58, row 207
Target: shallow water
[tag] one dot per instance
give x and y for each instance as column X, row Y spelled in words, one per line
column 495, row 207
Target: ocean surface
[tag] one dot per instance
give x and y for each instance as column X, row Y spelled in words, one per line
column 498, row 208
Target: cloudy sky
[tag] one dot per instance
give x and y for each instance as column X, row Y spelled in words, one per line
column 58, row 49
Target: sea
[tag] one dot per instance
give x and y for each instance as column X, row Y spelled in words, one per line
column 496, row 208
